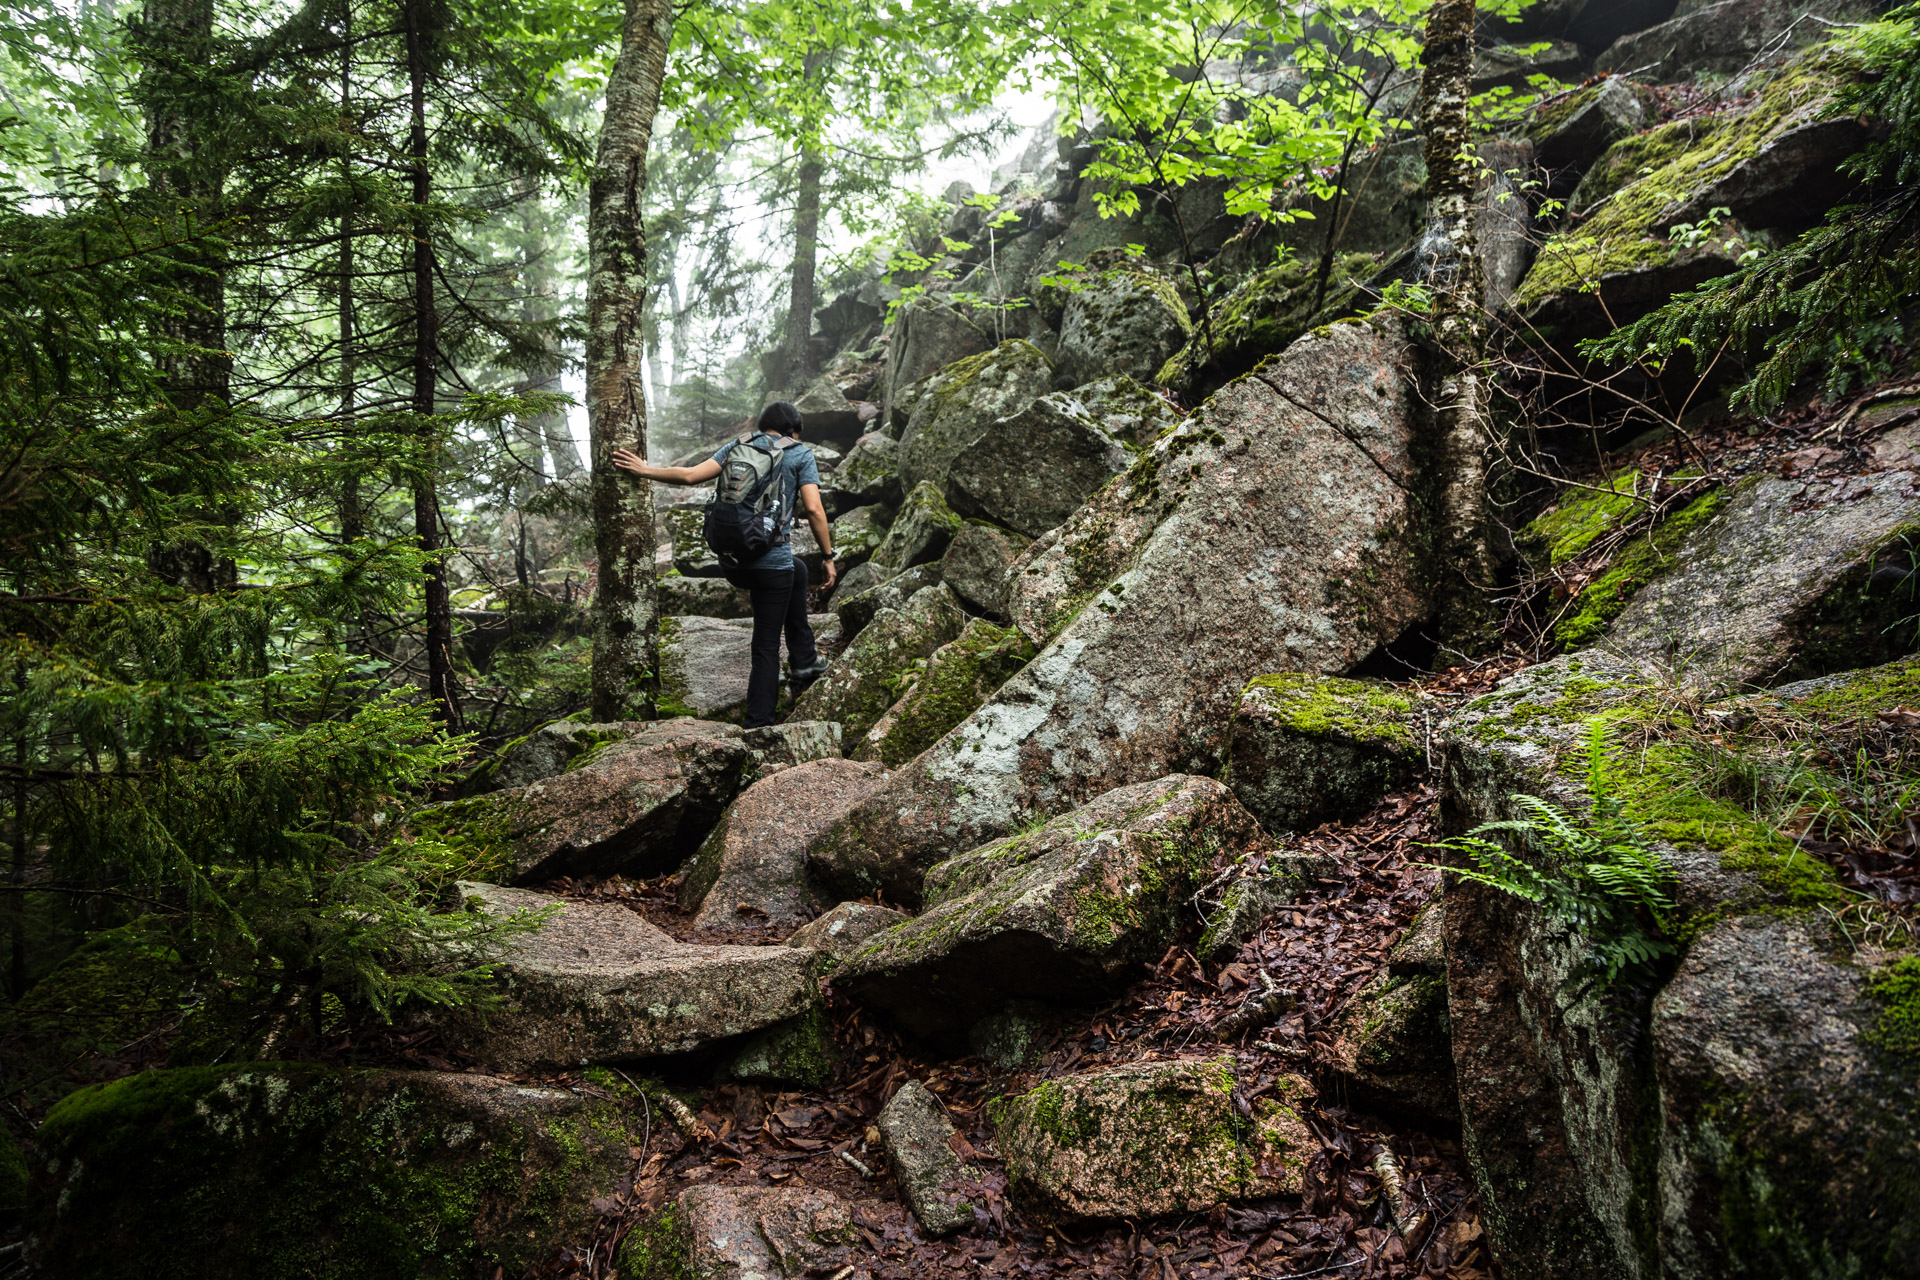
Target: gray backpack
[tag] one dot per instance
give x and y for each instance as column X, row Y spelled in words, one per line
column 748, row 515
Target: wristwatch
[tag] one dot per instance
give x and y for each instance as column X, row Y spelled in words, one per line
column 828, row 555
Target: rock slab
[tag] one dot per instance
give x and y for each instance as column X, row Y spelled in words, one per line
column 1151, row 1139
column 1067, row 913
column 933, row 1180
column 1307, row 749
column 600, row 984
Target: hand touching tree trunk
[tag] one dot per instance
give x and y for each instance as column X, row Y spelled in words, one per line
column 625, row 605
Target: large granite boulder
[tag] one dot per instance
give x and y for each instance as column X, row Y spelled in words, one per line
column 958, row 404
column 1150, row 1139
column 282, row 1169
column 1768, row 164
column 546, row 751
column 858, row 534
column 1120, row 323
column 1131, row 412
column 927, row 336
column 1571, row 130
column 976, row 566
column 1035, row 467
column 1307, row 749
column 1070, row 912
column 753, row 868
column 1261, row 317
column 681, row 596
column 959, row 676
column 844, row 930
column 1724, row 36
column 774, row 747
column 705, row 663
column 635, row 805
column 598, row 983
column 1271, row 530
column 1795, row 574
column 827, row 415
column 1732, row 1126
column 870, row 588
column 870, row 473
column 920, row 533
column 864, row 681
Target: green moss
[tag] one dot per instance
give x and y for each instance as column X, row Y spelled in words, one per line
column 1896, row 990
column 1861, row 693
column 657, row 1249
column 277, row 1170
column 798, row 1052
column 958, row 376
column 1148, row 908
column 1858, row 622
column 672, row 697
column 1261, row 318
column 1638, row 563
column 959, row 677
column 1580, row 519
column 1318, row 706
column 1632, row 194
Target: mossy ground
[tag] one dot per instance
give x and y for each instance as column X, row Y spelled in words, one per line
column 1580, row 519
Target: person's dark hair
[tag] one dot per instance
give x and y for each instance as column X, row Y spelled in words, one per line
column 780, row 418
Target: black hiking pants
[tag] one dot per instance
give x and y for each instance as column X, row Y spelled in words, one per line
column 779, row 603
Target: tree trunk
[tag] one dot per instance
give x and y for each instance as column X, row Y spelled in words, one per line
column 426, row 502
column 1451, row 269
column 806, row 254
column 625, row 603
column 185, row 177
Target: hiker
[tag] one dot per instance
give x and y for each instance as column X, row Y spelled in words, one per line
column 766, row 474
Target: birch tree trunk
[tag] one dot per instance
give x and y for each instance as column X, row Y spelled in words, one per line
column 1451, row 268
column 625, row 604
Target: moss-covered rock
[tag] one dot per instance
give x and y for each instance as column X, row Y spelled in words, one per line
column 1068, row 912
column 936, row 1185
column 641, row 803
column 957, row 678
column 958, row 404
column 1306, row 749
column 1622, row 257
column 977, row 563
column 1120, row 323
column 1580, row 518
column 858, row 534
column 266, row 1171
column 844, row 930
column 1253, row 537
column 921, row 532
column 1034, row 467
column 1261, row 318
column 1791, row 576
column 1726, row 38
column 1571, row 130
column 865, row 680
column 925, row 337
column 798, row 1053
column 681, row 596
column 1248, row 900
column 1151, row 1139
column 870, row 473
column 1723, row 1139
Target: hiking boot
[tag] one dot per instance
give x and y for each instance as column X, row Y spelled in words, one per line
column 801, row 677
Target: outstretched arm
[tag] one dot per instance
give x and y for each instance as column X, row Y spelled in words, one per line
column 627, row 460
